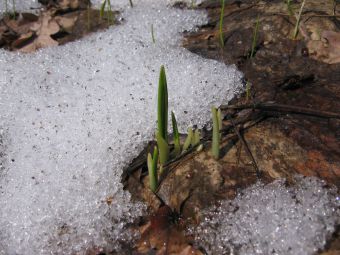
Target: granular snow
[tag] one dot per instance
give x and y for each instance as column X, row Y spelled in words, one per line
column 73, row 116
column 272, row 219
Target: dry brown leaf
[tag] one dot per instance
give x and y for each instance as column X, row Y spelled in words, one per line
column 21, row 40
column 44, row 28
column 327, row 49
column 68, row 4
column 66, row 23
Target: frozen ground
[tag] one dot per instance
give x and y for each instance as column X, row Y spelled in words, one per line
column 273, row 219
column 73, row 116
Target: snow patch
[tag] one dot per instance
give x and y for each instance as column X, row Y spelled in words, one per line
column 272, row 219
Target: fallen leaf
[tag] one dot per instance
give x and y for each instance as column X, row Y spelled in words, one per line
column 44, row 28
column 18, row 43
column 66, row 23
column 327, row 49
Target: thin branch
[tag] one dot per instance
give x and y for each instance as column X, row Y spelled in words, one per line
column 284, row 108
column 244, row 143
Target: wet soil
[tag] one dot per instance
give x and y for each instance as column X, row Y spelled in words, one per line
column 278, row 141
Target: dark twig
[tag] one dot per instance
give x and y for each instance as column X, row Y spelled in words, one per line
column 284, row 108
column 244, row 143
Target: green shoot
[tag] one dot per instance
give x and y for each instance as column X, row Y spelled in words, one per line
column 14, row 12
column 153, row 34
column 298, row 19
column 110, row 15
column 152, row 168
column 221, row 25
column 247, row 91
column 162, row 108
column 102, row 9
column 187, row 141
column 217, row 126
column 6, row 7
column 196, row 138
column 162, row 115
column 219, row 116
column 253, row 46
column 289, row 7
column 163, row 149
column 199, row 148
column 88, row 17
column 192, row 5
column 177, row 143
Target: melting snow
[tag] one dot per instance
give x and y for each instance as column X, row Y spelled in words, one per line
column 273, row 219
column 73, row 116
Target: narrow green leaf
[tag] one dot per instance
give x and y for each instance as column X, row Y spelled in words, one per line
column 161, row 170
column 298, row 18
column 102, row 9
column 177, row 143
column 247, row 91
column 199, row 148
column 196, row 138
column 14, row 11
column 153, row 34
column 163, row 105
column 187, row 141
column 289, row 7
column 163, row 149
column 221, row 24
column 216, row 134
column 110, row 13
column 155, row 160
column 253, row 46
column 152, row 168
column 219, row 118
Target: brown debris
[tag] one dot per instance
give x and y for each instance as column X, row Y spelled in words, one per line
column 61, row 22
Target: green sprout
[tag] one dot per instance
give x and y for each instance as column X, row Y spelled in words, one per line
column 177, row 143
column 6, row 7
column 152, row 168
column 187, row 141
column 192, row 5
column 248, row 85
column 88, row 17
column 109, row 12
column 162, row 117
column 162, row 111
column 289, row 7
column 216, row 137
column 298, row 19
column 164, row 151
column 221, row 25
column 153, row 34
column 7, row 13
column 196, row 138
column 253, row 46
